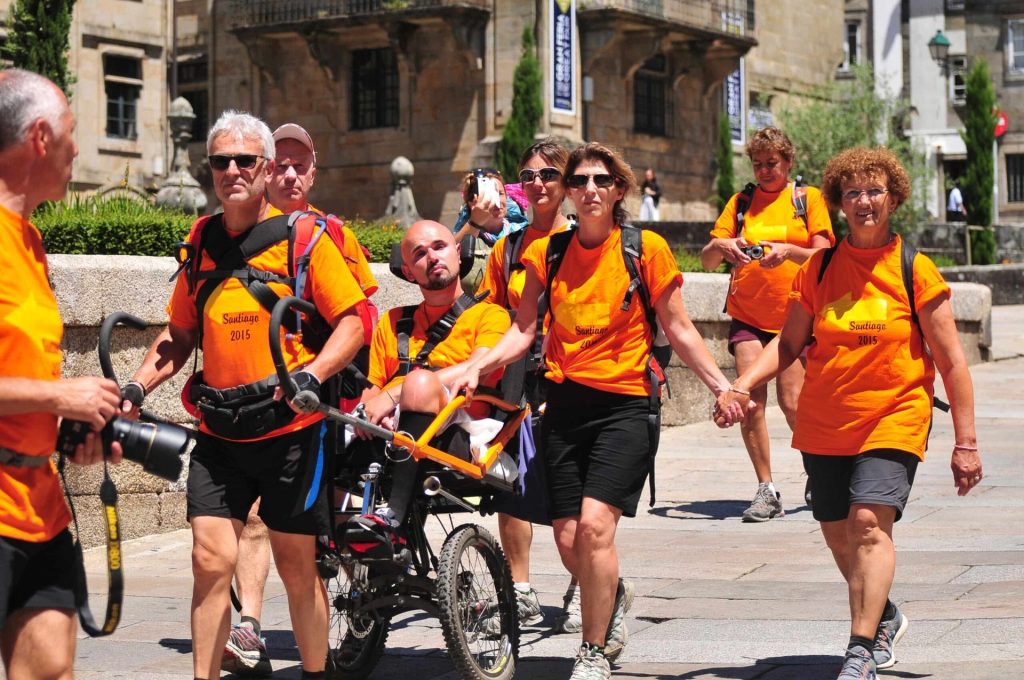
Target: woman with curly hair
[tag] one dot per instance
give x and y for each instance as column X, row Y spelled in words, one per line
column 766, row 235
column 865, row 410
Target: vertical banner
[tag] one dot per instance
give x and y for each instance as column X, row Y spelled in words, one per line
column 734, row 87
column 734, row 104
column 563, row 81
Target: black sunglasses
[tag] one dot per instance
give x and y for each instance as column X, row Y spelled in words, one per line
column 601, row 181
column 244, row 161
column 546, row 175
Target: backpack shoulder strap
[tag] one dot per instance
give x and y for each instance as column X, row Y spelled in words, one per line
column 513, row 249
column 800, row 199
column 743, row 200
column 826, row 258
column 907, row 255
column 557, row 245
column 403, row 329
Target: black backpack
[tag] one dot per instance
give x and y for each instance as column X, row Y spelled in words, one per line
column 632, row 254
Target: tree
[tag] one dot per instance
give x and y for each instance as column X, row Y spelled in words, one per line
column 526, row 110
column 37, row 39
column 723, row 158
column 849, row 113
column 979, row 126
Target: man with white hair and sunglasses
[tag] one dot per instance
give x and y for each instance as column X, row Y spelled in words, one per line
column 250, row 443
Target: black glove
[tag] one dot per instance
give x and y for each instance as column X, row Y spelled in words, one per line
column 134, row 393
column 306, row 382
column 307, row 396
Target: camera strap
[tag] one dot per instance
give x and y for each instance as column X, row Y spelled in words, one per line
column 115, row 576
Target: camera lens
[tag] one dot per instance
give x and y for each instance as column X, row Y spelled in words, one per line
column 157, row 447
column 755, row 252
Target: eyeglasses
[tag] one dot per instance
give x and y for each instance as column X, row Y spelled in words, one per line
column 244, row 161
column 853, row 194
column 546, row 175
column 601, row 181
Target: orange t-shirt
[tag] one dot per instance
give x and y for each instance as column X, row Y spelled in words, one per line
column 353, row 253
column 482, row 325
column 869, row 380
column 758, row 296
column 236, row 344
column 508, row 296
column 32, row 504
column 589, row 339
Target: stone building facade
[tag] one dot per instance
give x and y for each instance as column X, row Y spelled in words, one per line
column 894, row 35
column 432, row 80
column 119, row 56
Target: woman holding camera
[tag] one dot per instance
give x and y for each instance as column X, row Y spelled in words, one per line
column 595, row 435
column 865, row 410
column 488, row 212
column 765, row 232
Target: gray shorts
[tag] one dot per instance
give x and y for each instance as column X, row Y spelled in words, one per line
column 877, row 477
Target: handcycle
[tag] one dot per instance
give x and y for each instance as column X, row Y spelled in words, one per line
column 464, row 585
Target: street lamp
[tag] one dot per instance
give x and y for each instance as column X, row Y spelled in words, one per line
column 938, row 46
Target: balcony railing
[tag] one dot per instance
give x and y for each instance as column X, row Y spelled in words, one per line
column 720, row 16
column 263, row 13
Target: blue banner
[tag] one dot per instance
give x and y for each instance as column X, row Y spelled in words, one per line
column 563, row 73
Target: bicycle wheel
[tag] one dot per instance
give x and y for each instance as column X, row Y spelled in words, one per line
column 355, row 646
column 474, row 583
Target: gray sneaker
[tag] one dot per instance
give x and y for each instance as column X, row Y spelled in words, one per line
column 570, row 620
column 528, row 611
column 591, row 664
column 765, row 506
column 858, row 665
column 618, row 635
column 889, row 633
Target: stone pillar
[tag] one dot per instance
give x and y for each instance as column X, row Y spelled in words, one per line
column 181, row 190
column 401, row 203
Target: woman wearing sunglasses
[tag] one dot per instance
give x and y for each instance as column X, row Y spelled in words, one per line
column 866, row 405
column 594, row 433
column 765, row 239
column 540, row 175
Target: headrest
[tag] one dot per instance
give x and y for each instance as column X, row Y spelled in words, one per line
column 466, row 258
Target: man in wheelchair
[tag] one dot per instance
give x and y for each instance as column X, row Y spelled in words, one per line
column 447, row 328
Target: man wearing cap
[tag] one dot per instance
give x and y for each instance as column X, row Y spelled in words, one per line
column 287, row 191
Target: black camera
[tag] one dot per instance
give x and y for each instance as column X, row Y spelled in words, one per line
column 157, row 447
column 753, row 252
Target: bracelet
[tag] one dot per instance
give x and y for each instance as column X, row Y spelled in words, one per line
column 392, row 397
column 738, row 391
column 474, row 225
column 964, row 448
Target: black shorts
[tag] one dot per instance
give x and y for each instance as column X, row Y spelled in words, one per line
column 287, row 472
column 595, row 444
column 36, row 575
column 878, row 477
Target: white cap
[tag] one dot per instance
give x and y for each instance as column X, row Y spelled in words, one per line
column 296, row 132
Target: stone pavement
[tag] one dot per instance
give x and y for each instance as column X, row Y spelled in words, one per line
column 716, row 598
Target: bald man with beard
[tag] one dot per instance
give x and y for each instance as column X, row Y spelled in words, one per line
column 430, row 259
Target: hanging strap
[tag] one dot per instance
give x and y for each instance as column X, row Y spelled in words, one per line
column 115, row 575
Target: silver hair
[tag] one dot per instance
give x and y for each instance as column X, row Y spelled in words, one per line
column 25, row 97
column 239, row 125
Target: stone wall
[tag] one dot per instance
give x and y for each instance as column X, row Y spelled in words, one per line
column 90, row 288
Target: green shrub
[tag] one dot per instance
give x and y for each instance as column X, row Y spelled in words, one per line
column 690, row 262
column 377, row 236
column 943, row 260
column 94, row 226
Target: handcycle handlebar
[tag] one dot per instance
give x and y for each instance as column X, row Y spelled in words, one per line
column 309, row 402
